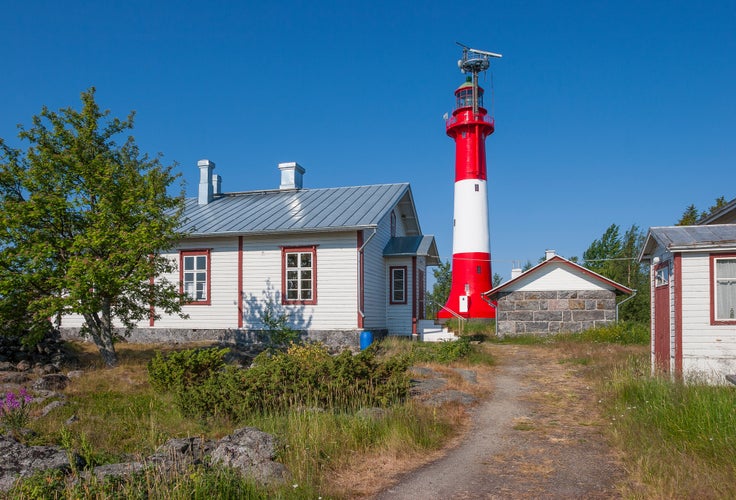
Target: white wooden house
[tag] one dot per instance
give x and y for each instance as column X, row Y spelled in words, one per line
column 336, row 261
column 693, row 297
column 554, row 296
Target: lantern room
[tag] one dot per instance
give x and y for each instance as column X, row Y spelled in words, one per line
column 464, row 95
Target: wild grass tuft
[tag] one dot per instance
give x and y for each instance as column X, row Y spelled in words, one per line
column 680, row 438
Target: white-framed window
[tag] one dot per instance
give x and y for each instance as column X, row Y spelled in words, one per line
column 662, row 276
column 397, row 276
column 723, row 289
column 299, row 275
column 194, row 275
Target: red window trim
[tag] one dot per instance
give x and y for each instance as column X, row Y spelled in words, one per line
column 303, row 249
column 391, row 284
column 194, row 252
column 713, row 257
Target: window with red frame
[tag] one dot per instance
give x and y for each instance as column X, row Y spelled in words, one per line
column 194, row 273
column 724, row 288
column 299, row 278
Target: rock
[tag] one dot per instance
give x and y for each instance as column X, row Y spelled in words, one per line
column 51, row 382
column 116, row 470
column 14, row 378
column 421, row 371
column 52, row 406
column 468, row 375
column 252, row 452
column 71, row 420
column 23, row 366
column 427, row 386
column 75, row 374
column 19, row 460
column 6, row 366
column 450, row 396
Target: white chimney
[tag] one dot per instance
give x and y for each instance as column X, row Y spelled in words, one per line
column 516, row 272
column 205, row 181
column 216, row 185
column 291, row 175
column 548, row 254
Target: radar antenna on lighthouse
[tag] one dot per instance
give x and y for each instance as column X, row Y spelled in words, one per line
column 474, row 61
column 469, row 126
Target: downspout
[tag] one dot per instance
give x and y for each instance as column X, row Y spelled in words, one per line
column 623, row 302
column 361, row 313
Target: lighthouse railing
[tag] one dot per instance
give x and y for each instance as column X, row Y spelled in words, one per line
column 461, row 319
column 472, row 118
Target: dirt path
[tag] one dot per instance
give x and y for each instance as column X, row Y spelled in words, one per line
column 537, row 436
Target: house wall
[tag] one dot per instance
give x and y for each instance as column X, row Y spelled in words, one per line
column 374, row 275
column 335, row 313
column 663, row 256
column 708, row 351
column 546, row 312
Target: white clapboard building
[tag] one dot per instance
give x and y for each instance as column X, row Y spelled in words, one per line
column 336, row 261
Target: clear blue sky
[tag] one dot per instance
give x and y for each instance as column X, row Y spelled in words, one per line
column 606, row 112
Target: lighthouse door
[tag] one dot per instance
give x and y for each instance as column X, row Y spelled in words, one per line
column 662, row 316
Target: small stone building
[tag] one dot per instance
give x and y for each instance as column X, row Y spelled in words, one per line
column 554, row 296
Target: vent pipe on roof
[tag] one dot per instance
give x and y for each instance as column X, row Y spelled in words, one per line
column 291, row 175
column 516, row 272
column 216, row 185
column 548, row 254
column 205, row 182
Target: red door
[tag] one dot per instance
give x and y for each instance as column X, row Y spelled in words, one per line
column 662, row 316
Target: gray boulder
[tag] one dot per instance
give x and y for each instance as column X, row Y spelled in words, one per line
column 252, row 452
column 18, row 460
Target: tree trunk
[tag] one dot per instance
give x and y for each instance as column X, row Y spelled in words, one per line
column 100, row 329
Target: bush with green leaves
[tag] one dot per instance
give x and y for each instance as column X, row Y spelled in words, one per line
column 182, row 369
column 441, row 352
column 302, row 376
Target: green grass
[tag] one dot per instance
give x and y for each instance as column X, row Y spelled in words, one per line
column 119, row 415
column 679, row 440
column 622, row 333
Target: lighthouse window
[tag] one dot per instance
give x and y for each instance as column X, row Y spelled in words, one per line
column 477, row 269
column 477, row 188
column 724, row 289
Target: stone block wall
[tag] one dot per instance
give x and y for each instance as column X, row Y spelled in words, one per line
column 550, row 312
column 335, row 340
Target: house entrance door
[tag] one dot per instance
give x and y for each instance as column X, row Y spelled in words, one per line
column 662, row 316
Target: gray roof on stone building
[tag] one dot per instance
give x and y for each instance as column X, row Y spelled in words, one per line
column 300, row 210
column 690, row 238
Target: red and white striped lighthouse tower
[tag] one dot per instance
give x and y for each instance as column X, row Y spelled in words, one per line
column 469, row 126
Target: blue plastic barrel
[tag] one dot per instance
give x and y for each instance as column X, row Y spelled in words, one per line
column 366, row 339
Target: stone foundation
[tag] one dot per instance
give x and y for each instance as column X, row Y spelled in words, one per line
column 335, row 340
column 550, row 312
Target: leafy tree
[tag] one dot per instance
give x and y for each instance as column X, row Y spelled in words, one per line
column 441, row 289
column 616, row 257
column 83, row 224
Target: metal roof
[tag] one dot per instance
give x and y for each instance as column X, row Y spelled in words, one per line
column 724, row 215
column 690, row 238
column 299, row 210
column 413, row 245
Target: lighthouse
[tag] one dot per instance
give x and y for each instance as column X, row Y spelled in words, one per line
column 469, row 126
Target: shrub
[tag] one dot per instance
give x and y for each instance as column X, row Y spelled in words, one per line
column 182, row 369
column 625, row 333
column 441, row 352
column 302, row 376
